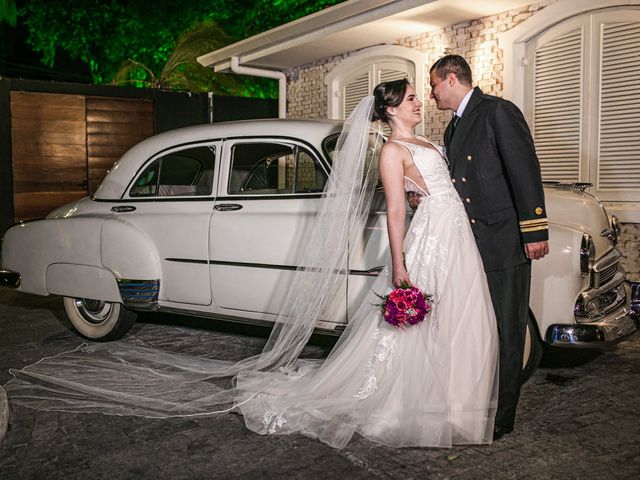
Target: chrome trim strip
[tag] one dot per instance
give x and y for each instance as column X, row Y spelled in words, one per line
column 9, row 279
column 154, row 199
column 139, row 294
column 187, row 260
column 607, row 260
column 269, row 196
column 275, row 196
column 372, row 272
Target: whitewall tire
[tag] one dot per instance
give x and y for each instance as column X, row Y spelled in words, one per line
column 98, row 320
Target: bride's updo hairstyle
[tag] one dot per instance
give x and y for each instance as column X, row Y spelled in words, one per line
column 388, row 94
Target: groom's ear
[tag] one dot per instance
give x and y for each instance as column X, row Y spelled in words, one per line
column 452, row 79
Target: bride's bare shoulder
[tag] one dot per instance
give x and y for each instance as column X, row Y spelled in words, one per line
column 392, row 147
column 392, row 152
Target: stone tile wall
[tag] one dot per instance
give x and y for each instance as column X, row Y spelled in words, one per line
column 630, row 248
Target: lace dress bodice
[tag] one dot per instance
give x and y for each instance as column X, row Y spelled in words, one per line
column 433, row 168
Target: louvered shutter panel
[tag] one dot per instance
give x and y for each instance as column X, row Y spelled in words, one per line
column 355, row 89
column 387, row 75
column 619, row 129
column 558, row 106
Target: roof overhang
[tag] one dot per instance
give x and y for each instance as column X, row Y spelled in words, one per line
column 348, row 27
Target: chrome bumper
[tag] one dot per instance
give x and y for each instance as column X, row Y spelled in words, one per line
column 9, row 279
column 612, row 328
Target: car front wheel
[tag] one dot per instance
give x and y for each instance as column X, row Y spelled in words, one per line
column 98, row 320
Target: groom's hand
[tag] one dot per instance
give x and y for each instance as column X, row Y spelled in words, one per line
column 414, row 199
column 536, row 250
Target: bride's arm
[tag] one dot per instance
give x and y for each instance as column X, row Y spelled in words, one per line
column 391, row 168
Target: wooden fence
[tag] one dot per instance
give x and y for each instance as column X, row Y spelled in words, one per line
column 63, row 145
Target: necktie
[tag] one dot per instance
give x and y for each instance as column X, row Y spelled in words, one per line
column 456, row 120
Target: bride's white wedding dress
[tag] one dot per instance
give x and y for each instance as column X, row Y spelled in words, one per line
column 432, row 384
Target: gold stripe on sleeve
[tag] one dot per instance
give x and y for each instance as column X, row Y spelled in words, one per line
column 534, row 229
column 536, row 221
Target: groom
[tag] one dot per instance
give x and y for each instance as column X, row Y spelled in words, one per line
column 495, row 170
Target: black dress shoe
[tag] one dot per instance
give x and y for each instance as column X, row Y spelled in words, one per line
column 500, row 431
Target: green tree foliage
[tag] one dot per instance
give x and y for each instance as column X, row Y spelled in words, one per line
column 8, row 12
column 105, row 33
column 181, row 71
column 144, row 42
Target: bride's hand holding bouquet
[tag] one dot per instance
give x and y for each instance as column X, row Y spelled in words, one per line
column 400, row 277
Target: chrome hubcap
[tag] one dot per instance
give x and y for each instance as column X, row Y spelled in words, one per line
column 93, row 311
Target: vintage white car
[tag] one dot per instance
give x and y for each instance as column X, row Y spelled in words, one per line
column 207, row 220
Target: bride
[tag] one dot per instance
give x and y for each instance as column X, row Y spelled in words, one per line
column 432, row 384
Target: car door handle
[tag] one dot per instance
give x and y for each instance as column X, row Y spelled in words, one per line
column 123, row 208
column 227, row 207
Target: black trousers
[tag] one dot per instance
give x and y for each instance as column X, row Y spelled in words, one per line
column 509, row 289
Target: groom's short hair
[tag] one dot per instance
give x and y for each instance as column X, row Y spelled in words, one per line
column 453, row 64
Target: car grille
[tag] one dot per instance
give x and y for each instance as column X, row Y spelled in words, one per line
column 601, row 278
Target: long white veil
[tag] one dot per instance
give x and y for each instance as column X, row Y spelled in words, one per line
column 122, row 379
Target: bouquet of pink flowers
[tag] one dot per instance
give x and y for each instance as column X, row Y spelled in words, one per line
column 405, row 306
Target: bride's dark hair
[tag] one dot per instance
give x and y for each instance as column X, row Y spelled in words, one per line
column 388, row 94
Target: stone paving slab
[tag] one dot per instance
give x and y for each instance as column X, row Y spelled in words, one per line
column 579, row 418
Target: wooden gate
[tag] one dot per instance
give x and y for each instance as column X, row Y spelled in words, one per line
column 63, row 145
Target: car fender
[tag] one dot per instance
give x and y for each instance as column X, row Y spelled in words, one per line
column 82, row 281
column 128, row 251
column 556, row 280
column 29, row 248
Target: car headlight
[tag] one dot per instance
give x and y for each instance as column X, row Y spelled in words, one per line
column 587, row 254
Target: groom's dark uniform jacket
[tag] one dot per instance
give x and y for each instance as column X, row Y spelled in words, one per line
column 495, row 170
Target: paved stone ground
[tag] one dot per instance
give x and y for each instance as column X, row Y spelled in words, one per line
column 579, row 418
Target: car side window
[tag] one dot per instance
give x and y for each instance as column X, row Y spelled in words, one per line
column 187, row 172
column 329, row 145
column 262, row 168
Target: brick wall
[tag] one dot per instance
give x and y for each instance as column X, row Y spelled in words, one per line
column 477, row 41
column 307, row 91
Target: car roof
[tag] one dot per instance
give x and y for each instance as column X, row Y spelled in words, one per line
column 120, row 175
